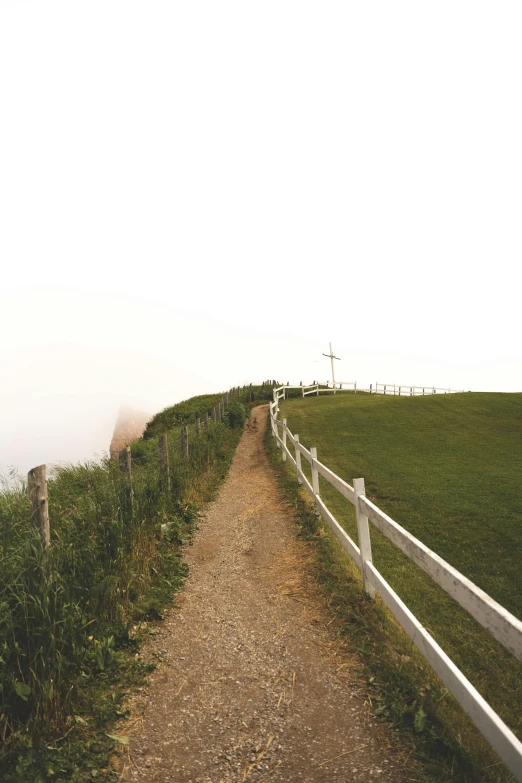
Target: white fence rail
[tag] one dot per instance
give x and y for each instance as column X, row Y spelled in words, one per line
column 318, row 387
column 498, row 621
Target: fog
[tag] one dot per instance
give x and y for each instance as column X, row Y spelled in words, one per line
column 194, row 196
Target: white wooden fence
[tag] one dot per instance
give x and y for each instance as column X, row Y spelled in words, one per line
column 318, row 387
column 497, row 620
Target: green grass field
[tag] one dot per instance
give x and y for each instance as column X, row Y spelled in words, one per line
column 449, row 469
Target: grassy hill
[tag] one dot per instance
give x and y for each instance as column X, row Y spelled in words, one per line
column 448, row 468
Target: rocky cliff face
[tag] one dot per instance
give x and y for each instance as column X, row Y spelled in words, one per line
column 130, row 425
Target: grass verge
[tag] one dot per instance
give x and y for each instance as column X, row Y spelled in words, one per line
column 407, row 452
column 72, row 620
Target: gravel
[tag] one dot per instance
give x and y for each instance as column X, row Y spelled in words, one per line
column 254, row 683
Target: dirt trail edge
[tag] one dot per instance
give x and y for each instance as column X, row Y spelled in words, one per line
column 253, row 684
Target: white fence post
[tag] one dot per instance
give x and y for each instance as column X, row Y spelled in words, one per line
column 315, row 479
column 297, row 459
column 363, row 530
column 284, row 440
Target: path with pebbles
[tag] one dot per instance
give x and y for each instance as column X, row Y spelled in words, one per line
column 254, row 684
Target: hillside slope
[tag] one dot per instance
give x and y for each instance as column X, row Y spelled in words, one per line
column 448, row 470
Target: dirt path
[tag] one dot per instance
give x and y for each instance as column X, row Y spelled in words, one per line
column 253, row 685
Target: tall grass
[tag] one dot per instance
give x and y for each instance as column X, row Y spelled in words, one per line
column 67, row 615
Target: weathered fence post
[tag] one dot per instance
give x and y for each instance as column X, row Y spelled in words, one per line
column 284, row 440
column 205, row 420
column 315, row 480
column 370, row 388
column 198, row 426
column 37, row 488
column 126, row 476
column 164, row 462
column 184, row 443
column 297, row 459
column 363, row 530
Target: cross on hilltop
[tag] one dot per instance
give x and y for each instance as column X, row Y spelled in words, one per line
column 332, row 357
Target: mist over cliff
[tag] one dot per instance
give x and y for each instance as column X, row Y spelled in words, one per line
column 130, row 425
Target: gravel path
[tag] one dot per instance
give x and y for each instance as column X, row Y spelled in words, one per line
column 253, row 684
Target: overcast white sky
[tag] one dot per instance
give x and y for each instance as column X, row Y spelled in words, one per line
column 198, row 194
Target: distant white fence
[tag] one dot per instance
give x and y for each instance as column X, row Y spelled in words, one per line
column 318, row 387
column 497, row 620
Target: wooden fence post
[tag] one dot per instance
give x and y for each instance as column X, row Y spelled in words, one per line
column 297, row 459
column 315, row 480
column 363, row 530
column 126, row 476
column 37, row 488
column 214, row 415
column 198, row 426
column 205, row 420
column 184, row 443
column 164, row 462
column 284, row 440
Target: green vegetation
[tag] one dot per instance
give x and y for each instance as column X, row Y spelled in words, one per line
column 72, row 619
column 448, row 469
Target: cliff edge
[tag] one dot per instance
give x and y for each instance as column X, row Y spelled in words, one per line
column 130, row 425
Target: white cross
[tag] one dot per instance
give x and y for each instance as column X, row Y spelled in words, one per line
column 332, row 357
